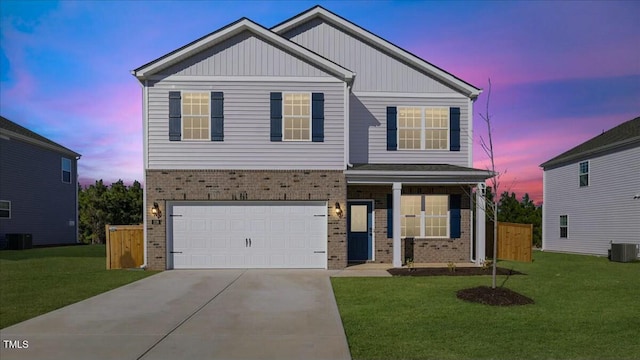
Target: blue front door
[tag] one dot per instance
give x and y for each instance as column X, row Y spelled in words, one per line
column 359, row 231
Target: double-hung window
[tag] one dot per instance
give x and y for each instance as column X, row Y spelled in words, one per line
column 66, row 171
column 424, row 216
column 564, row 226
column 195, row 116
column 584, row 174
column 296, row 117
column 5, row 209
column 423, row 128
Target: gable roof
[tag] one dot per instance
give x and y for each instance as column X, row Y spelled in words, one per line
column 380, row 43
column 231, row 30
column 12, row 130
column 617, row 138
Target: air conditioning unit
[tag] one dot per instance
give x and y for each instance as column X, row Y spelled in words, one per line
column 624, row 252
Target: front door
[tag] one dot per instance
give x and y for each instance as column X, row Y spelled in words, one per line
column 359, row 231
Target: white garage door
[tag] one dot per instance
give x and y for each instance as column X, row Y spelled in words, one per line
column 248, row 235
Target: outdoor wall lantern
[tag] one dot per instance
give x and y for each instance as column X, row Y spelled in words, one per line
column 338, row 210
column 155, row 210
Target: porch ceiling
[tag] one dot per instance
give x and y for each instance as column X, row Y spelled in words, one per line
column 441, row 174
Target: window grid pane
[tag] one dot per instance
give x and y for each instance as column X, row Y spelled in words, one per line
column 297, row 116
column 584, row 173
column 410, row 128
column 436, row 128
column 195, row 116
column 436, row 215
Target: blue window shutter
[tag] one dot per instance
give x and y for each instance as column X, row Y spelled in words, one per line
column 175, row 124
column 389, row 216
column 455, row 217
column 276, row 116
column 317, row 117
column 392, row 128
column 217, row 116
column 454, row 129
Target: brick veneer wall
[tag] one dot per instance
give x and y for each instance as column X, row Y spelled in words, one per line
column 420, row 250
column 248, row 185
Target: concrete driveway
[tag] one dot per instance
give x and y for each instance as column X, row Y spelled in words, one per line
column 193, row 314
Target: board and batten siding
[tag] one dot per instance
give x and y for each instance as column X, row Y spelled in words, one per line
column 368, row 131
column 244, row 55
column 602, row 212
column 246, row 144
column 375, row 69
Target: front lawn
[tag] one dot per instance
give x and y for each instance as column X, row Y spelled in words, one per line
column 585, row 308
column 36, row 281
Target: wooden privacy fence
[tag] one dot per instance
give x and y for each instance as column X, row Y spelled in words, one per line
column 514, row 241
column 124, row 246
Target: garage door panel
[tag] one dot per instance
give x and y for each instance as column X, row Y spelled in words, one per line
column 283, row 235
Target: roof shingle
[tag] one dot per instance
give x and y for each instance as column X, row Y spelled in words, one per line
column 627, row 133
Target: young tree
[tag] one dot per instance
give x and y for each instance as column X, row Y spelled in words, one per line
column 492, row 207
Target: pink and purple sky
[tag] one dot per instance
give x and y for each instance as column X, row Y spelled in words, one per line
column 562, row 71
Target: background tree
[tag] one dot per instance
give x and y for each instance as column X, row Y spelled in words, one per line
column 521, row 212
column 100, row 205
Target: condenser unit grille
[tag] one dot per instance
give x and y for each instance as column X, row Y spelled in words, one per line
column 624, row 252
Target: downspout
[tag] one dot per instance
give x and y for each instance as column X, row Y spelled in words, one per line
column 347, row 126
column 77, row 201
column 472, row 202
column 145, row 106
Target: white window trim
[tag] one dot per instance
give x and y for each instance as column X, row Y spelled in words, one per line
column 588, row 173
column 560, row 226
column 423, row 217
column 8, row 202
column 62, row 171
column 182, row 115
column 423, row 129
column 284, row 94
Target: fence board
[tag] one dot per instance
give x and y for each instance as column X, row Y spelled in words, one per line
column 514, row 241
column 124, row 246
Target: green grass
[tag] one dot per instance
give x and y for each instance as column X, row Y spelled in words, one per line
column 36, row 281
column 586, row 308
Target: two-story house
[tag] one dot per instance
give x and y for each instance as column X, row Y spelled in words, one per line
column 308, row 145
column 38, row 188
column 592, row 193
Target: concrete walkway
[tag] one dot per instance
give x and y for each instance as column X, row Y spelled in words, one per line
column 200, row 314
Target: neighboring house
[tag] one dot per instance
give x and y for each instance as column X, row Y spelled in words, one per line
column 308, row 145
column 590, row 193
column 38, row 187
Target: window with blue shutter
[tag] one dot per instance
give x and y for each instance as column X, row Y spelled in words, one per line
column 317, row 117
column 455, row 202
column 276, row 116
column 175, row 125
column 389, row 216
column 454, row 129
column 217, row 116
column 392, row 128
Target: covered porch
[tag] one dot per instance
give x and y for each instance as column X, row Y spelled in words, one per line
column 421, row 213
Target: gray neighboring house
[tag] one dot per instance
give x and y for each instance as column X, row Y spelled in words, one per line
column 591, row 193
column 38, row 187
column 312, row 144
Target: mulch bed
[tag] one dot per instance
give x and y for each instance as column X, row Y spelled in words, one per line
column 461, row 271
column 495, row 297
column 483, row 294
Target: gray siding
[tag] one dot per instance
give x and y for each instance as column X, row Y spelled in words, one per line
column 246, row 142
column 376, row 70
column 368, row 132
column 602, row 212
column 244, row 55
column 41, row 204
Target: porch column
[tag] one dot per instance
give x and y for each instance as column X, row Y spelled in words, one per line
column 480, row 222
column 397, row 244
